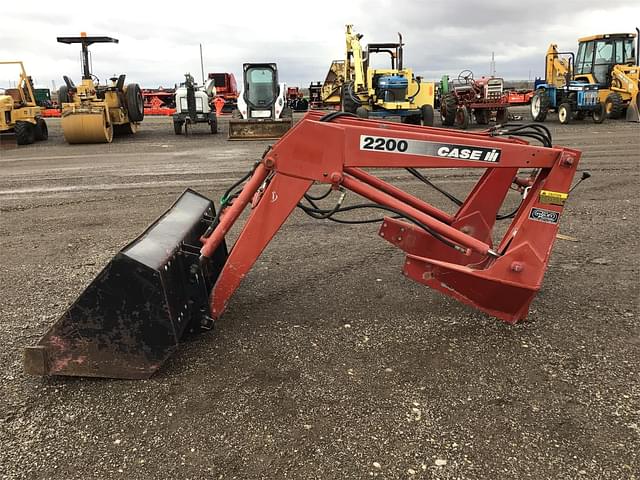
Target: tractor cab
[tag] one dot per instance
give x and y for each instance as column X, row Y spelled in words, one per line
column 598, row 54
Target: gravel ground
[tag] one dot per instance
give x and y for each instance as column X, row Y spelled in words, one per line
column 328, row 363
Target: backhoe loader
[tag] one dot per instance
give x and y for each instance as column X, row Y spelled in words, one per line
column 372, row 92
column 179, row 274
column 92, row 113
column 610, row 61
column 21, row 119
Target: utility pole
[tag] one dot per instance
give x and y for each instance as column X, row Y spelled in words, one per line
column 201, row 64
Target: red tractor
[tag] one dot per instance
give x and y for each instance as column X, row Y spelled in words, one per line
column 482, row 98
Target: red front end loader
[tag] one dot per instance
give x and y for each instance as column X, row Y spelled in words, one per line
column 178, row 275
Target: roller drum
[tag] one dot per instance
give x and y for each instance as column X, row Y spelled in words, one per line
column 84, row 127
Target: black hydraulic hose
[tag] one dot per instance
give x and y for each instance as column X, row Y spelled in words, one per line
column 321, row 197
column 425, row 180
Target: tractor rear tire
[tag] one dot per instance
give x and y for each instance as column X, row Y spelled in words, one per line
column 25, row 133
column 63, row 96
column 539, row 106
column 599, row 113
column 135, row 102
column 448, row 109
column 613, row 105
column 462, row 117
column 427, row 115
column 362, row 112
column 347, row 103
column 177, row 128
column 482, row 117
column 564, row 113
column 41, row 130
column 502, row 116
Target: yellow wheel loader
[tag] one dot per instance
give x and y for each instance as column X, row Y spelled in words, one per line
column 20, row 117
column 609, row 60
column 373, row 92
column 92, row 113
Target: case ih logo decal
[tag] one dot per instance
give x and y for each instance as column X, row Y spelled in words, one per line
column 430, row 149
column 542, row 215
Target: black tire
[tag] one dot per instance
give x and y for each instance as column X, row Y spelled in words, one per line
column 564, row 113
column 25, row 133
column 236, row 114
column 63, row 96
column 427, row 115
column 482, row 116
column 448, row 109
column 599, row 113
column 213, row 123
column 41, row 130
column 502, row 116
column 134, row 102
column 462, row 117
column 613, row 105
column 347, row 103
column 362, row 112
column 539, row 106
column 177, row 128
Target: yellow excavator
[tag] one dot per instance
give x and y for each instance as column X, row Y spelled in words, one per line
column 20, row 117
column 372, row 92
column 610, row 60
column 91, row 112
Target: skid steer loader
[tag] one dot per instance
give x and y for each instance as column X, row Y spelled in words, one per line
column 179, row 275
column 21, row 119
column 262, row 112
column 92, row 113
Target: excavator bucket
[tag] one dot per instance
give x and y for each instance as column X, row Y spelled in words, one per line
column 131, row 317
column 252, row 129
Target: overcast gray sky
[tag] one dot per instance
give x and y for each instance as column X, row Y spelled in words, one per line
column 159, row 40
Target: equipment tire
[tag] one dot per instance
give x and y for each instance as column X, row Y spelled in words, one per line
column 235, row 114
column 462, row 117
column 346, row 102
column 539, row 106
column 177, row 128
column 135, row 102
column 448, row 108
column 482, row 116
column 362, row 112
column 502, row 116
column 25, row 133
column 426, row 115
column 286, row 113
column 213, row 123
column 564, row 113
column 63, row 96
column 613, row 105
column 41, row 130
column 599, row 113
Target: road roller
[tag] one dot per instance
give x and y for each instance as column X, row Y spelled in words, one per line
column 93, row 113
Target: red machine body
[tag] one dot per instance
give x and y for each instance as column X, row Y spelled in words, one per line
column 226, row 87
column 500, row 279
column 179, row 275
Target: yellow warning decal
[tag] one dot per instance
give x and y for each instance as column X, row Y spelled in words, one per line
column 553, row 198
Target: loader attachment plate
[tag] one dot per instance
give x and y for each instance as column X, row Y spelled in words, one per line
column 131, row 317
column 253, row 129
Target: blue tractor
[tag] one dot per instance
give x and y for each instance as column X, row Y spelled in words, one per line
column 573, row 100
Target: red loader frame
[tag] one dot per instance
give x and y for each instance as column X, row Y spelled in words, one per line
column 452, row 253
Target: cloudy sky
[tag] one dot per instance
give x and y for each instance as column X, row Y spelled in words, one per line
column 159, row 41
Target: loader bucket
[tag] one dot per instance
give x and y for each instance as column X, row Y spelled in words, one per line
column 252, row 129
column 129, row 320
column 633, row 110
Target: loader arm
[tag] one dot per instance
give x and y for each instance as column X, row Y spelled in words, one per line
column 451, row 253
column 626, row 80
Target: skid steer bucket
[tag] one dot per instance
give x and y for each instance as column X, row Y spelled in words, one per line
column 252, row 129
column 131, row 317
